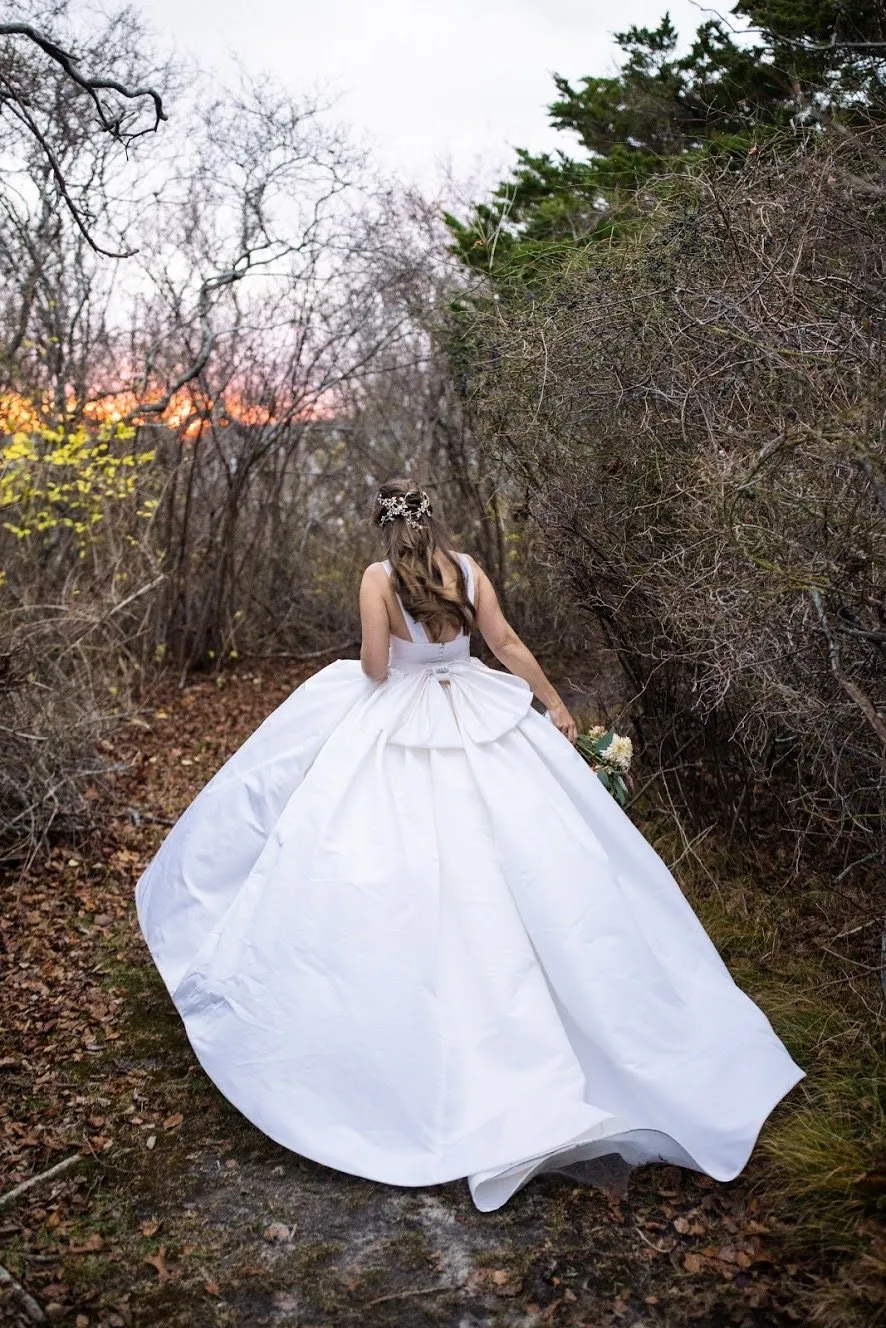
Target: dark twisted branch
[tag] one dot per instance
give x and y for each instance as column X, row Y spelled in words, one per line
column 111, row 124
column 92, row 86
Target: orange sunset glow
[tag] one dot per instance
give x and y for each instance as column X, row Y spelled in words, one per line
column 187, row 413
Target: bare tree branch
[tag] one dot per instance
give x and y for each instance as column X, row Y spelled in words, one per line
column 90, row 85
column 864, row 702
column 58, row 175
column 111, row 123
column 30, row 1307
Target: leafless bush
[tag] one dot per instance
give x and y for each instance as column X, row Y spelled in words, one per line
column 697, row 418
column 65, row 685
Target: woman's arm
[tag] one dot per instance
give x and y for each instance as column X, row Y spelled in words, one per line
column 507, row 647
column 375, row 624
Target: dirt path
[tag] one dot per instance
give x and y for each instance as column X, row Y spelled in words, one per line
column 178, row 1212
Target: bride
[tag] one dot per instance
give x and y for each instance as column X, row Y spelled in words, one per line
column 412, row 937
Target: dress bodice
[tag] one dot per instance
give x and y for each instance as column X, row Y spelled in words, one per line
column 416, row 656
column 437, row 695
column 421, row 654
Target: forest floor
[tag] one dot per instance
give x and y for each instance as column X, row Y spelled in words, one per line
column 177, row 1212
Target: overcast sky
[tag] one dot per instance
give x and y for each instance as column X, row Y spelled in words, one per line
column 430, row 83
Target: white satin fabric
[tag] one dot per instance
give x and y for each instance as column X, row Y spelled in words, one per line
column 412, row 937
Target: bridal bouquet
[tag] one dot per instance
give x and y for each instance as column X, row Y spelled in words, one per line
column 609, row 755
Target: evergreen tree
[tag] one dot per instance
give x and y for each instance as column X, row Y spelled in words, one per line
column 802, row 63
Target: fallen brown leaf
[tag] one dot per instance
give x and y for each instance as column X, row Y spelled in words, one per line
column 501, row 1281
column 158, row 1261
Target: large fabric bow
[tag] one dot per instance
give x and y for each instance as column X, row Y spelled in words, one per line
column 443, row 705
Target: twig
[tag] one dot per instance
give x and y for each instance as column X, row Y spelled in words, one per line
column 136, row 594
column 871, row 922
column 59, row 1167
column 310, row 654
column 650, row 1243
column 689, row 846
column 869, row 857
column 27, row 1301
column 864, row 703
column 404, row 1295
column 29, row 737
column 845, row 959
column 658, row 774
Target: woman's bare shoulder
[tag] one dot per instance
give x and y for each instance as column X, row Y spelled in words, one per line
column 376, row 575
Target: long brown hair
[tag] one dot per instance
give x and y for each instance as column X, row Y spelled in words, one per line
column 412, row 542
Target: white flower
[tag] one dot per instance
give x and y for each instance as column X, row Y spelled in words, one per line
column 619, row 752
column 597, row 731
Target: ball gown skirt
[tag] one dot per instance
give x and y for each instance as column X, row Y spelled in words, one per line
column 412, row 937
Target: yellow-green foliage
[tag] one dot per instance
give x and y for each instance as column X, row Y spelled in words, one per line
column 65, row 478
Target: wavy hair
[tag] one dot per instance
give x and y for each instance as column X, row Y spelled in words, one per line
column 412, row 541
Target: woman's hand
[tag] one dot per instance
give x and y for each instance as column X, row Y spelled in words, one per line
column 563, row 721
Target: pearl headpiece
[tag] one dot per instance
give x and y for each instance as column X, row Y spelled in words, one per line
column 413, row 513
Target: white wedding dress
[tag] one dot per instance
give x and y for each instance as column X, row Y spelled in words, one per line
column 412, row 937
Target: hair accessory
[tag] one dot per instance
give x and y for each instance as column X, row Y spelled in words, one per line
column 399, row 505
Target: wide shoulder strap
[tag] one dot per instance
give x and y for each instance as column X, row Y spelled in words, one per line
column 416, row 630
column 469, row 574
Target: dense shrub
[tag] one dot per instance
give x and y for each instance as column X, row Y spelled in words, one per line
column 696, row 416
